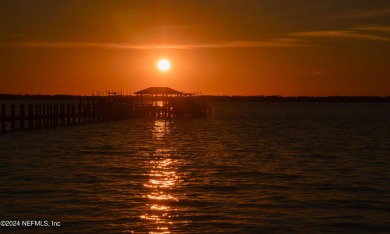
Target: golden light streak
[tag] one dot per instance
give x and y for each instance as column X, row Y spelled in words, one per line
column 163, row 178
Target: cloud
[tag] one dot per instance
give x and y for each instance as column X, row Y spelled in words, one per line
column 354, row 34
column 317, row 73
column 187, row 26
column 283, row 42
column 373, row 28
column 365, row 14
column 329, row 33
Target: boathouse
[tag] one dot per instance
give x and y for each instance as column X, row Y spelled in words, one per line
column 165, row 102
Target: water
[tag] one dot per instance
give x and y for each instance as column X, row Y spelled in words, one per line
column 250, row 168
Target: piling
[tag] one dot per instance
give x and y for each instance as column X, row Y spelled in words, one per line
column 3, row 118
column 13, row 117
column 22, row 117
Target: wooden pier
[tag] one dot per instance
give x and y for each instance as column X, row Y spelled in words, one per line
column 35, row 112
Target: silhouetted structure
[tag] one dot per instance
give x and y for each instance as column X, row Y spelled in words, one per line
column 31, row 112
column 164, row 102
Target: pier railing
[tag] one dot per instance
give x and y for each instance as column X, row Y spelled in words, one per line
column 50, row 113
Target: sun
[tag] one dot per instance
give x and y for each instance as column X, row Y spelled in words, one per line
column 163, row 65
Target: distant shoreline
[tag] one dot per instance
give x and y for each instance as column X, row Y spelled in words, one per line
column 298, row 99
column 228, row 98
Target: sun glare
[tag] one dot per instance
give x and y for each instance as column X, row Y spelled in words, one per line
column 163, row 65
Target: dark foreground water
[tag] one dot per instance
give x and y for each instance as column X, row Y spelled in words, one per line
column 250, row 168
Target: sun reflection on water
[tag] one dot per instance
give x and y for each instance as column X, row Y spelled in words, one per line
column 163, row 178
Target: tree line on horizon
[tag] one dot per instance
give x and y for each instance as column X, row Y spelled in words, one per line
column 232, row 98
column 278, row 98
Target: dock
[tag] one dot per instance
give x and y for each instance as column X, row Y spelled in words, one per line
column 36, row 112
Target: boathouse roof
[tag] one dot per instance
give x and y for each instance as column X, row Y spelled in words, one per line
column 160, row 90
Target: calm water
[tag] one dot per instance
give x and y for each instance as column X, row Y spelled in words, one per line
column 250, row 168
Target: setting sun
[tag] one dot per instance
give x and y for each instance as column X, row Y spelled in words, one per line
column 163, row 65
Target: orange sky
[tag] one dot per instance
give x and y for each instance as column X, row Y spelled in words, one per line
column 219, row 47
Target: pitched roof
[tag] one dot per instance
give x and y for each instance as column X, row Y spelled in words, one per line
column 159, row 90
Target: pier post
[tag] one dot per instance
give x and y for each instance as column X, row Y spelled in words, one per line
column 73, row 113
column 84, row 113
column 43, row 116
column 52, row 122
column 93, row 113
column 22, row 116
column 79, row 112
column 13, row 117
column 56, row 115
column 68, row 114
column 102, row 111
column 62, row 114
column 50, row 115
column 3, row 117
column 45, row 113
column 30, row 116
column 38, row 115
column 89, row 114
column 97, row 109
column 51, row 118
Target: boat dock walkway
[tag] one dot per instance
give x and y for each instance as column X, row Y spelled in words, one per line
column 35, row 112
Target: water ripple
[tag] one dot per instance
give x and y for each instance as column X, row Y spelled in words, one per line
column 250, row 168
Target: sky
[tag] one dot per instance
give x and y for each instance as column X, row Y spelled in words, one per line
column 229, row 47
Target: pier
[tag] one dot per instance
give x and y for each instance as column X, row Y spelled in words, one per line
column 35, row 112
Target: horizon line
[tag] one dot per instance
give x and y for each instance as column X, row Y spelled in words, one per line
column 210, row 95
